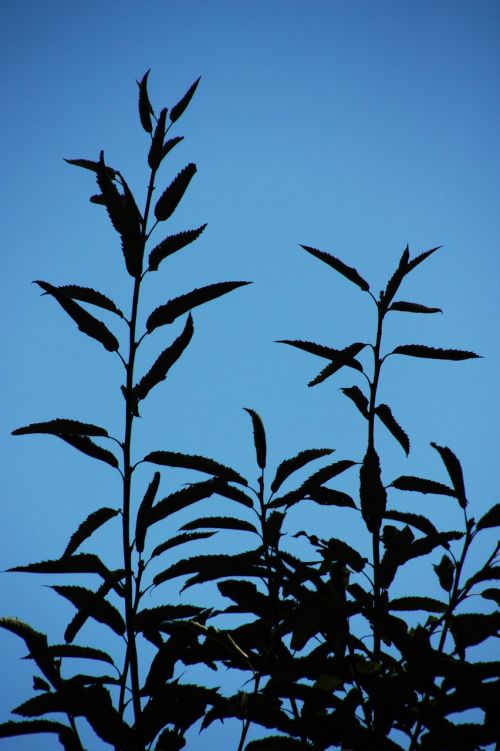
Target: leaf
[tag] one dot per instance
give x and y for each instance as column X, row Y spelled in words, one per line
column 111, row 198
column 235, row 494
column 329, row 497
column 396, row 279
column 42, row 704
column 171, row 196
column 82, row 563
column 156, row 148
column 36, row 643
column 454, row 469
column 356, row 395
column 491, row 518
column 418, row 259
column 259, row 437
column 145, row 109
column 91, row 296
column 179, row 108
column 212, row 567
column 338, row 550
column 181, row 499
column 326, row 473
column 87, row 528
column 172, row 244
column 39, row 684
column 179, row 305
column 86, row 446
column 62, row 426
column 344, row 357
column 30, row 727
column 289, row 466
column 385, row 414
column 445, row 571
column 491, row 594
column 76, row 651
column 141, row 524
column 158, row 372
column 86, row 323
column 275, row 743
column 169, row 145
column 94, row 606
column 132, row 237
column 372, row 492
column 433, row 353
column 488, row 573
column 429, row 604
column 469, row 629
column 414, row 520
column 412, row 307
column 220, row 522
column 347, row 271
column 91, row 165
column 193, row 461
column 180, row 540
column 153, row 617
column 421, row 485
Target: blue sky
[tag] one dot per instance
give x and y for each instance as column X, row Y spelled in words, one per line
column 355, row 127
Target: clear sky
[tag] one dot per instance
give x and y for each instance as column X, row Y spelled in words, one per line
column 353, row 126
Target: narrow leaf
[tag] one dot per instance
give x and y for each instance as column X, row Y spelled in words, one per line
column 82, row 563
column 172, row 244
column 326, row 473
column 235, row 494
column 62, row 426
column 171, row 197
column 153, row 617
column 445, row 571
column 385, row 414
column 396, row 279
column 169, row 145
column 76, row 651
column 91, row 165
column 180, row 499
column 372, row 492
column 131, row 233
column 87, row 528
column 491, row 518
column 259, row 437
column 164, row 362
column 86, row 323
column 111, row 198
column 96, row 607
column 454, row 469
column 211, row 567
column 155, row 151
column 412, row 307
column 421, row 485
column 418, row 259
column 86, row 446
column 429, row 604
column 142, row 520
column 344, row 358
column 433, row 353
column 414, row 520
column 220, row 522
column 288, row 466
column 180, row 540
column 145, row 109
column 91, row 296
column 179, row 108
column 30, row 727
column 329, row 497
column 356, row 395
column 193, row 461
column 179, row 305
column 347, row 271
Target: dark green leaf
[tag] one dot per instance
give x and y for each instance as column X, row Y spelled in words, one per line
column 347, row 271
column 171, row 197
column 429, row 604
column 62, row 426
column 91, row 296
column 356, row 395
column 181, row 499
column 86, row 323
column 198, row 463
column 445, row 571
column 288, row 466
column 144, row 511
column 86, row 446
column 433, row 353
column 220, row 522
column 96, row 607
column 412, row 307
column 165, row 361
column 454, row 470
column 329, row 497
column 145, row 109
column 259, row 437
column 421, row 485
column 491, row 518
column 179, row 108
column 88, row 527
column 385, row 414
column 155, row 151
column 172, row 244
column 180, row 540
column 179, row 305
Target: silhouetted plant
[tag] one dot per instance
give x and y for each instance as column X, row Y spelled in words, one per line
column 316, row 680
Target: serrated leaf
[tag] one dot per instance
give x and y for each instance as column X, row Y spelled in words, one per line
column 211, row 567
column 145, row 108
column 445, row 571
column 180, row 539
column 220, row 522
column 42, row 704
column 90, row 165
column 259, row 437
column 414, row 520
column 342, row 268
column 421, row 485
column 172, row 244
column 153, row 617
column 372, row 492
column 433, row 353
column 346, row 358
column 454, row 469
column 91, row 296
column 86, row 322
column 87, row 528
column 171, row 196
column 158, row 372
column 198, row 463
column 491, row 518
column 142, row 520
column 111, row 198
column 155, row 150
column 385, row 414
column 469, row 629
column 81, row 563
column 329, row 497
column 396, row 279
column 85, row 600
column 36, row 643
column 356, row 395
column 39, row 684
column 179, row 108
column 29, row 727
column 181, row 499
column 176, row 307
column 412, row 307
column 62, row 426
column 86, row 446
column 429, row 604
column 81, row 616
column 79, row 652
column 338, row 550
column 326, row 473
column 289, row 466
column 235, row 494
column 418, row 259
column 132, row 238
column 488, row 573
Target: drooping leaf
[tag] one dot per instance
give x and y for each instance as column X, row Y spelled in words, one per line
column 87, row 528
column 445, row 571
column 82, row 615
column 144, row 511
column 42, row 704
column 180, row 539
column 487, row 573
column 385, row 414
column 86, row 446
column 329, row 497
column 356, row 395
column 86, row 323
column 172, row 244
column 412, row 307
column 259, row 437
column 429, row 604
column 179, row 305
column 94, row 606
column 193, row 461
column 145, row 108
column 62, row 426
column 491, row 518
column 433, row 353
column 154, row 155
column 342, row 268
column 235, row 494
column 454, row 469
column 220, row 522
column 372, row 492
column 79, row 652
column 414, row 520
column 158, row 372
column 345, row 358
column 418, row 259
column 179, row 108
column 289, row 466
column 421, row 485
column 171, row 196
column 91, row 296
column 180, row 499
column 81, row 563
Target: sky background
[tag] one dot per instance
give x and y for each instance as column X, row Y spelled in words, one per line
column 355, row 127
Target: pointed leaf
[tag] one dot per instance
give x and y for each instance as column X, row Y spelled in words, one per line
column 181, row 499
column 179, row 305
column 421, row 485
column 347, row 271
column 152, row 617
column 289, row 466
column 356, row 395
column 211, row 567
column 193, row 461
column 132, row 237
column 171, row 197
column 396, row 279
column 418, row 259
column 91, row 165
column 491, row 518
column 445, row 571
column 385, row 414
column 91, row 296
column 491, row 594
column 329, row 497
column 414, row 520
column 62, row 426
column 469, row 629
column 39, row 684
column 154, row 155
column 145, row 109
column 326, row 473
column 429, row 604
column 81, row 616
column 220, row 522
column 87, row 528
column 259, row 437
column 169, row 145
column 81, row 563
column 179, row 108
column 180, row 540
column 144, row 511
column 433, row 353
column 76, row 651
column 29, row 727
column 344, row 357
column 412, row 307
column 235, row 494
column 86, row 446
column 454, row 469
column 96, row 607
column 372, row 492
column 111, row 198
column 172, row 244
column 36, row 643
column 42, row 704
column 86, row 323
column 164, row 362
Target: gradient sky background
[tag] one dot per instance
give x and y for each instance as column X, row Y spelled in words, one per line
column 356, row 127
